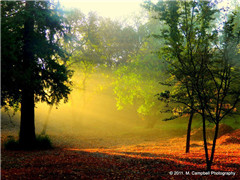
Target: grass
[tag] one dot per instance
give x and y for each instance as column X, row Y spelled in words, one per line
column 234, row 122
column 181, row 123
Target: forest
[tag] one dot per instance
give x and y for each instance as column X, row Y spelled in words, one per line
column 153, row 95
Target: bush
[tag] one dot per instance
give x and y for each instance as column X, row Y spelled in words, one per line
column 11, row 143
column 42, row 142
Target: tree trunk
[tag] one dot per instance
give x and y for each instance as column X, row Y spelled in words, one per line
column 205, row 143
column 27, row 136
column 209, row 165
column 214, row 143
column 189, row 131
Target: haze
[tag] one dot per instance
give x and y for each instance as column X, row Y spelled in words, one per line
column 114, row 9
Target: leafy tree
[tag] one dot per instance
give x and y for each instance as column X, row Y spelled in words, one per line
column 84, row 51
column 99, row 41
column 117, row 42
column 204, row 73
column 136, row 81
column 131, row 87
column 32, row 60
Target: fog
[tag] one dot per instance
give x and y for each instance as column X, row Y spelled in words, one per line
column 90, row 118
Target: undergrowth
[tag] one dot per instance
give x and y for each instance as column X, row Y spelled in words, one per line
column 42, row 142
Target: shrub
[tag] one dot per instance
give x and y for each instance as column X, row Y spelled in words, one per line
column 42, row 142
column 11, row 143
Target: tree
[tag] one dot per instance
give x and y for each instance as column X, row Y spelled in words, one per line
column 84, row 49
column 32, row 61
column 136, row 80
column 181, row 35
column 218, row 91
column 204, row 69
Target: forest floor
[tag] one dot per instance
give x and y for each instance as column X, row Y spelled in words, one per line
column 163, row 159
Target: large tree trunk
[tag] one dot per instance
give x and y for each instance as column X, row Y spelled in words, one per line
column 27, row 136
column 189, row 131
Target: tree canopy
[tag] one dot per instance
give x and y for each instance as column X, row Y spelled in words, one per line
column 51, row 78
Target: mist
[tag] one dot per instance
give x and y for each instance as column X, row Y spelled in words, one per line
column 90, row 118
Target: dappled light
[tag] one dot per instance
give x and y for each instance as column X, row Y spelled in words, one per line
column 172, row 151
column 145, row 160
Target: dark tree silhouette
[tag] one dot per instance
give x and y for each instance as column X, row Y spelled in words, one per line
column 32, row 60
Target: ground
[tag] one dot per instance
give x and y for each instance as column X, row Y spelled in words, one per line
column 148, row 160
column 139, row 153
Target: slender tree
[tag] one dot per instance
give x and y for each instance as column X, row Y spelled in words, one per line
column 204, row 68
column 182, row 36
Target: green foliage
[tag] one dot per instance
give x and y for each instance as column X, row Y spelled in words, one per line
column 103, row 41
column 136, row 81
column 133, row 86
column 100, row 43
column 234, row 122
